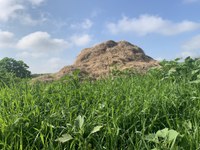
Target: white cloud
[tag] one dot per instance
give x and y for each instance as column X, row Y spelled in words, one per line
column 18, row 10
column 147, row 24
column 38, row 44
column 6, row 39
column 86, row 24
column 42, row 45
column 36, row 2
column 191, row 47
column 81, row 40
column 8, row 9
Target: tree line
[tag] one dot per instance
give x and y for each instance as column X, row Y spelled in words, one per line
column 15, row 68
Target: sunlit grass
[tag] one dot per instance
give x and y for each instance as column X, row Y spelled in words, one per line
column 114, row 113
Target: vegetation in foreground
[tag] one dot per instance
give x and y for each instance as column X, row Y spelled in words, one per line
column 158, row 110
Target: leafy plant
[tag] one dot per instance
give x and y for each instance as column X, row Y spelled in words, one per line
column 78, row 134
column 179, row 70
column 164, row 139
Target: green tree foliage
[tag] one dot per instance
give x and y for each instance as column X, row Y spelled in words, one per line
column 17, row 68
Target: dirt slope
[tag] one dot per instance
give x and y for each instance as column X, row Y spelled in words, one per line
column 101, row 59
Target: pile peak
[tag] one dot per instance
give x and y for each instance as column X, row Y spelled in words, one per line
column 98, row 60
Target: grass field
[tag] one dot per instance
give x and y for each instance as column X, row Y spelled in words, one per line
column 159, row 110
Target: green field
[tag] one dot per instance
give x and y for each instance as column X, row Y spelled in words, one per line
column 158, row 110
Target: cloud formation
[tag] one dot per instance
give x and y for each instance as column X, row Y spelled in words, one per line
column 6, row 39
column 148, row 24
column 86, row 24
column 36, row 2
column 8, row 9
column 40, row 43
column 81, row 40
column 17, row 10
column 191, row 47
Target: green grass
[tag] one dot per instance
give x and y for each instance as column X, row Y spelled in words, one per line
column 118, row 113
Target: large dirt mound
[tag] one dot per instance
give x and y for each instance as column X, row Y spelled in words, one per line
column 99, row 60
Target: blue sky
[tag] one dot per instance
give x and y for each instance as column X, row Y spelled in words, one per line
column 49, row 34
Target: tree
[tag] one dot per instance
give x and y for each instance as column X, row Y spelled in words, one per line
column 18, row 68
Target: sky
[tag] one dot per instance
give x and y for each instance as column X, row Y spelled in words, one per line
column 49, row 34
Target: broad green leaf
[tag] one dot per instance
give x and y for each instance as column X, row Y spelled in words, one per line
column 96, row 129
column 171, row 71
column 162, row 133
column 188, row 124
column 80, row 121
column 64, row 138
column 172, row 135
column 152, row 138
